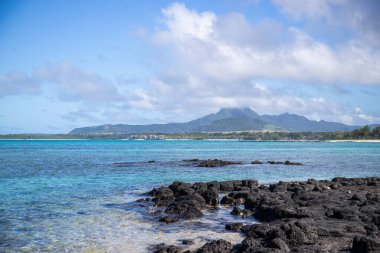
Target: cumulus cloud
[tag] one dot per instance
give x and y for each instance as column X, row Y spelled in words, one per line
column 365, row 117
column 218, row 61
column 14, row 83
column 359, row 17
column 208, row 61
column 68, row 82
column 229, row 48
column 75, row 84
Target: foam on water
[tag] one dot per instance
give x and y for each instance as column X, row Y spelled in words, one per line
column 119, row 230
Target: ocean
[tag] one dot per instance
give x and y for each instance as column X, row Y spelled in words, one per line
column 70, row 196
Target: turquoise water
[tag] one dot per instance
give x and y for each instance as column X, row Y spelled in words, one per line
column 68, row 195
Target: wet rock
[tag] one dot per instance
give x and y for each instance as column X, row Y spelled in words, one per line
column 226, row 186
column 251, row 202
column 187, row 242
column 200, row 201
column 249, row 244
column 359, row 198
column 275, row 162
column 186, row 209
column 252, row 184
column 334, row 186
column 256, row 230
column 373, row 198
column 177, row 184
column 190, row 160
column 211, row 196
column 257, row 162
column 307, row 216
column 217, row 246
column 344, row 213
column 163, row 248
column 239, row 195
column 192, row 213
column 227, row 200
column 163, row 196
column 168, row 219
column 285, row 163
column 356, row 228
column 280, row 187
column 199, row 187
column 144, row 200
column 292, row 163
column 215, row 163
column 279, row 244
column 241, row 212
column 163, row 200
column 242, row 189
column 300, row 233
column 366, row 245
column 213, row 184
column 277, row 211
column 163, row 191
column 234, row 226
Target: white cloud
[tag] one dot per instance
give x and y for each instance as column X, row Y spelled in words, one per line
column 357, row 17
column 185, row 23
column 75, row 84
column 365, row 117
column 217, row 60
column 142, row 100
column 299, row 9
column 98, row 99
column 230, row 49
column 67, row 82
column 208, row 61
column 14, row 83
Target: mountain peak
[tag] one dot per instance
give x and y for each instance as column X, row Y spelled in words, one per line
column 226, row 119
column 244, row 112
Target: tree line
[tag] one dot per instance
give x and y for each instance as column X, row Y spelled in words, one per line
column 362, row 133
column 365, row 132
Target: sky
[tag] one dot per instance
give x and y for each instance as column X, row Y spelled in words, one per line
column 67, row 64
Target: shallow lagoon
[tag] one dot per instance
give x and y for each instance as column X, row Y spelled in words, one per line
column 68, row 196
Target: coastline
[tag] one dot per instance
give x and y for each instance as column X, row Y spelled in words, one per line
column 170, row 139
column 340, row 215
column 364, row 141
column 102, row 212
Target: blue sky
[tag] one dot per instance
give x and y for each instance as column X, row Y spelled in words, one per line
column 67, row 64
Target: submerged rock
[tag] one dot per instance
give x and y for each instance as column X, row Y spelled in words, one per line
column 286, row 162
column 211, row 162
column 292, row 163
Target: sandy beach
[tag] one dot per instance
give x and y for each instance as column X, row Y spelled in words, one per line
column 353, row 141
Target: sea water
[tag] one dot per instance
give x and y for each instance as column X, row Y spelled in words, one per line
column 70, row 196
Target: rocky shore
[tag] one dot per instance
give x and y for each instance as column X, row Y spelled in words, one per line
column 341, row 215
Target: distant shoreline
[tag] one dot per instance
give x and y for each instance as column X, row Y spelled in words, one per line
column 368, row 140
column 171, row 139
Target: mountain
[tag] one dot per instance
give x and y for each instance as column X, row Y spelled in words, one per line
column 225, row 120
column 222, row 114
column 294, row 122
